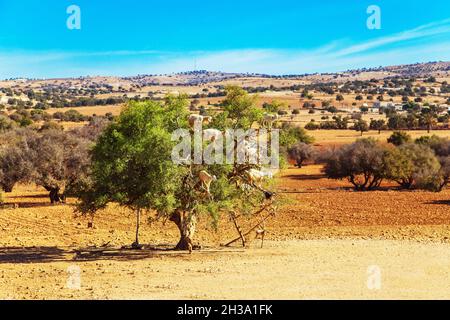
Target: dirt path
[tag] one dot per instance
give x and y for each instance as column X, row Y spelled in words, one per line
column 303, row 269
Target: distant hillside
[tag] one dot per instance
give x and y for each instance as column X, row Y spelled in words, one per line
column 201, row 77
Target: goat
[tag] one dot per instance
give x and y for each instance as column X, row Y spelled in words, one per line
column 258, row 175
column 205, row 180
column 269, row 119
column 196, row 118
column 211, row 134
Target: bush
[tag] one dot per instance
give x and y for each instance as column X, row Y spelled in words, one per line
column 441, row 148
column 301, row 152
column 290, row 135
column 399, row 137
column 361, row 163
column 412, row 166
column 312, row 125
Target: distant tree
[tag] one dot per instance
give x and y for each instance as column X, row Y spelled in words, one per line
column 15, row 163
column 339, row 97
column 377, row 125
column 290, row 135
column 399, row 137
column 428, row 120
column 412, row 165
column 60, row 162
column 301, row 152
column 312, row 125
column 396, row 122
column 441, row 147
column 361, row 126
column 332, row 109
column 361, row 163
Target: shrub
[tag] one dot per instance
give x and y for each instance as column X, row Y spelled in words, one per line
column 412, row 166
column 312, row 125
column 290, row 135
column 361, row 163
column 399, row 137
column 301, row 152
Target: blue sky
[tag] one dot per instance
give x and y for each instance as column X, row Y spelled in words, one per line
column 276, row 37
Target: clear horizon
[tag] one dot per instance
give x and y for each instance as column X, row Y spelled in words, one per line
column 287, row 37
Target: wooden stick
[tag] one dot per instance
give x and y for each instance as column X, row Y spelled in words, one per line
column 253, row 228
column 238, row 228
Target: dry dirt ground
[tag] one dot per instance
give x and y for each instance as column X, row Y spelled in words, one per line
column 325, row 242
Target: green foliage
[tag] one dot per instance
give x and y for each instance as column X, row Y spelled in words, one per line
column 377, row 125
column 399, row 137
column 290, row 135
column 412, row 165
column 361, row 163
column 239, row 108
column 132, row 164
column 361, row 126
column 312, row 125
column 274, row 106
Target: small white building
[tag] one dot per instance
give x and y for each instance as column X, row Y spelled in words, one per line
column 398, row 107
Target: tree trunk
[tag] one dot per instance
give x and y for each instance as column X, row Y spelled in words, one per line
column 54, row 195
column 7, row 188
column 186, row 223
column 136, row 243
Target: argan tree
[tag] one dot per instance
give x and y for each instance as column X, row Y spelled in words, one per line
column 301, row 152
column 60, row 161
column 398, row 138
column 132, row 166
column 412, row 165
column 361, row 126
column 361, row 163
column 15, row 163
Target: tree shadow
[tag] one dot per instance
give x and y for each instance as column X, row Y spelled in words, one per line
column 26, row 255
column 306, row 177
column 31, row 255
column 444, row 202
column 27, row 205
column 30, row 196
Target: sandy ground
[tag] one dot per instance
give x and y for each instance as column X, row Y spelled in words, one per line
column 318, row 269
column 323, row 243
